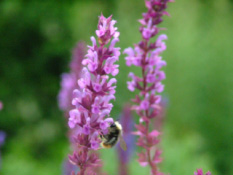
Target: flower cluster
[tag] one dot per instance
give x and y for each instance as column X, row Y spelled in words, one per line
column 69, row 80
column 92, row 98
column 200, row 172
column 146, row 55
column 126, row 121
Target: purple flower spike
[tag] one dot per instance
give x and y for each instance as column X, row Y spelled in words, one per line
column 92, row 98
column 146, row 55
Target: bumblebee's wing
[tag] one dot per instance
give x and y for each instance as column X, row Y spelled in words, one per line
column 122, row 143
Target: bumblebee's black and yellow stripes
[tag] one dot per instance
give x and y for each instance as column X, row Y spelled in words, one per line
column 115, row 133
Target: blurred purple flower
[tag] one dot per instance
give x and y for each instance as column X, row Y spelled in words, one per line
column 2, row 140
column 78, row 55
column 200, row 172
column 92, row 99
column 1, row 105
column 69, row 80
column 146, row 55
column 127, row 123
column 2, row 137
column 67, row 85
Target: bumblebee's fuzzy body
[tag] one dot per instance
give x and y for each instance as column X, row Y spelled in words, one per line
column 110, row 139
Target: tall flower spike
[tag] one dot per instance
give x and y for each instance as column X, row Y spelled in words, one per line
column 92, row 98
column 146, row 55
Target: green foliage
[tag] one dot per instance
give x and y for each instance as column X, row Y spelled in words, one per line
column 35, row 42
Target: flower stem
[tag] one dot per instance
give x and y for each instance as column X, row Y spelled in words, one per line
column 153, row 166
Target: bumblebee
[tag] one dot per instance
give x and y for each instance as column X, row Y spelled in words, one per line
column 114, row 135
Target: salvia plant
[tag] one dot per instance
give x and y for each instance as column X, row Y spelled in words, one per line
column 92, row 99
column 146, row 55
column 87, row 92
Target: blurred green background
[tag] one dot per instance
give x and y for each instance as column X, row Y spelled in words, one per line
column 36, row 39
